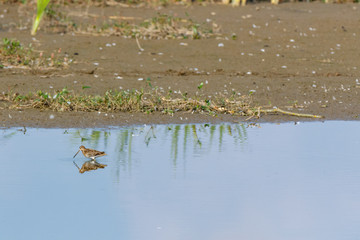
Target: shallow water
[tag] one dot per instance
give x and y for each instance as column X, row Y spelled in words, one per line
column 183, row 182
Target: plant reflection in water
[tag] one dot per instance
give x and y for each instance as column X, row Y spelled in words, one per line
column 183, row 139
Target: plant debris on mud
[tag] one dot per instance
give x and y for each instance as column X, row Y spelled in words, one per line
column 139, row 101
column 127, row 101
column 162, row 26
column 14, row 54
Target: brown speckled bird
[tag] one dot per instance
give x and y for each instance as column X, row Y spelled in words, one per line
column 89, row 166
column 90, row 153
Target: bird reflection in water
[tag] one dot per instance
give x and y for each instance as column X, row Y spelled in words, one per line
column 90, row 165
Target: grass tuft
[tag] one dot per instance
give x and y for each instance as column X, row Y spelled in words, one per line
column 140, row 101
column 14, row 54
column 126, row 101
column 162, row 26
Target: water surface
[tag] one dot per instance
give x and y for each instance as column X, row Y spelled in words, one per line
column 183, row 182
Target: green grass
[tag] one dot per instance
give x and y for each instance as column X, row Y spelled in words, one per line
column 126, row 101
column 162, row 26
column 140, row 101
column 15, row 54
column 12, row 52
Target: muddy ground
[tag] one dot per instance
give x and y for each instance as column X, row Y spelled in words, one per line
column 301, row 57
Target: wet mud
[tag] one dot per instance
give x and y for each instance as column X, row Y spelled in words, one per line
column 300, row 57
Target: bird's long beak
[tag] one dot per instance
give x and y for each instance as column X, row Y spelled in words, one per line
column 76, row 165
column 76, row 153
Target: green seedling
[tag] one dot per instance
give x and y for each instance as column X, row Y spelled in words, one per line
column 148, row 81
column 41, row 5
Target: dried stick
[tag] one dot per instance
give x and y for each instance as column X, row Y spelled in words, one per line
column 278, row 110
column 138, row 43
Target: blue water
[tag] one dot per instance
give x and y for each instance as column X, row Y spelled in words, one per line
column 183, row 182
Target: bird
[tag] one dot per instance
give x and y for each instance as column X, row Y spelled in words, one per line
column 90, row 153
column 89, row 166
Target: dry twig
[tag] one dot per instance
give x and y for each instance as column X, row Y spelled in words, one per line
column 278, row 110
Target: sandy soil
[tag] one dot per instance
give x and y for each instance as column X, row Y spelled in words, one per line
column 294, row 54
